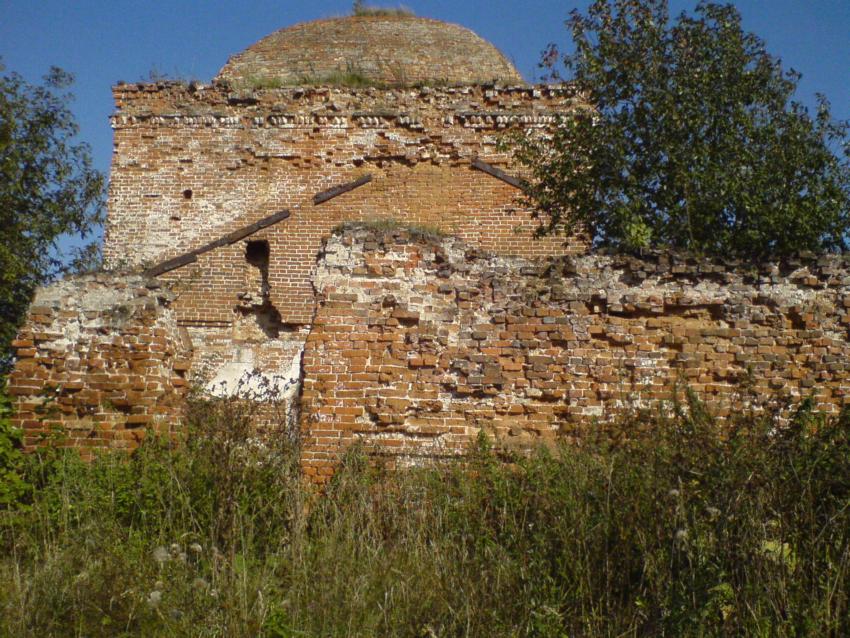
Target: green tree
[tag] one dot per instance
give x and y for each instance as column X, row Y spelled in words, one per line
column 48, row 189
column 693, row 141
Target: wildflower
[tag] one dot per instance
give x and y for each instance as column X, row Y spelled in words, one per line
column 154, row 598
column 196, row 548
column 175, row 549
column 674, row 493
column 713, row 512
column 161, row 555
column 681, row 535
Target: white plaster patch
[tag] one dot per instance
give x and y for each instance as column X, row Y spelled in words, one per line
column 241, row 377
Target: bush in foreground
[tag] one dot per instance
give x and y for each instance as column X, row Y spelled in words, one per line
column 681, row 528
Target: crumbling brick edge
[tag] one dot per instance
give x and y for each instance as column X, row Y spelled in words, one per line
column 419, row 343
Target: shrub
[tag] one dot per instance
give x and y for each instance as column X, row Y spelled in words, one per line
column 13, row 486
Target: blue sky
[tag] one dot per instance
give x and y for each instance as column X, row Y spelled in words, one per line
column 103, row 42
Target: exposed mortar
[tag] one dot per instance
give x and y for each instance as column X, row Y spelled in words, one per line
column 100, row 362
column 193, row 163
column 417, row 346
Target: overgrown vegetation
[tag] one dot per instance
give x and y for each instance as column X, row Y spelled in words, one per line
column 360, row 8
column 13, row 487
column 256, row 82
column 679, row 528
column 350, row 78
column 423, row 232
column 693, row 141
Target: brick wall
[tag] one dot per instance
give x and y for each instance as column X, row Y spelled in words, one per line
column 420, row 342
column 100, row 361
column 193, row 163
column 419, row 345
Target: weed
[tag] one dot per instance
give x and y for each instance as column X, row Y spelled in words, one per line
column 666, row 524
column 349, row 77
column 360, row 8
column 417, row 231
column 13, row 486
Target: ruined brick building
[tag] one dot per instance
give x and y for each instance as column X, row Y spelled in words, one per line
column 224, row 200
column 224, row 191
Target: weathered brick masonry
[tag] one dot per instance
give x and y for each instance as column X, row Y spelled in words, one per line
column 192, row 164
column 100, row 362
column 420, row 342
column 180, row 181
column 228, row 194
column 225, row 190
column 195, row 163
column 418, row 345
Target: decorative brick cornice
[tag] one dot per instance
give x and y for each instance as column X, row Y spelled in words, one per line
column 471, row 119
column 481, row 107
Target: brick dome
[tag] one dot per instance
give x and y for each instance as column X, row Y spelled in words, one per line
column 385, row 49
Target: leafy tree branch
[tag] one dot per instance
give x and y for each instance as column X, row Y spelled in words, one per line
column 693, row 140
column 48, row 188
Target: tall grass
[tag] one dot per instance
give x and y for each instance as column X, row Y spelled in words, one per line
column 669, row 525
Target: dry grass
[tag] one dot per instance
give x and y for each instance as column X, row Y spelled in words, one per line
column 416, row 231
column 674, row 531
column 362, row 9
